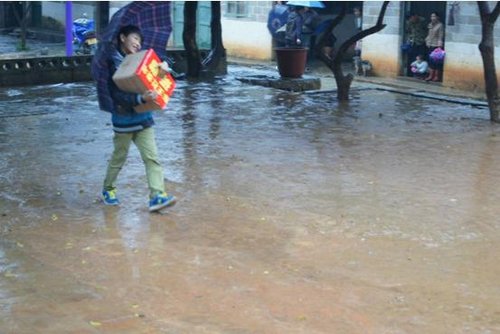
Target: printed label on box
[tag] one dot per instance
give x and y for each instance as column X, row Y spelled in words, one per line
column 138, row 73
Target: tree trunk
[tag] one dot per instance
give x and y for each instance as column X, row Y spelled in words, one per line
column 343, row 81
column 335, row 64
column 217, row 51
column 101, row 16
column 487, row 49
column 23, row 22
column 189, row 38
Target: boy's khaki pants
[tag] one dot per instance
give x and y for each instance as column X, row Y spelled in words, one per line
column 146, row 144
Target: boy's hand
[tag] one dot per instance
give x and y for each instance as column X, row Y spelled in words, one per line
column 149, row 96
column 164, row 69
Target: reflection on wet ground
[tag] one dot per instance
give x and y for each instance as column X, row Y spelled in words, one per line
column 296, row 215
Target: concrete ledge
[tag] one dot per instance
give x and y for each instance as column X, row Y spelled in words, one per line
column 412, row 85
column 35, row 70
column 294, row 85
column 46, row 70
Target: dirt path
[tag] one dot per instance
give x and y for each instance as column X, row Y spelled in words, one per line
column 296, row 215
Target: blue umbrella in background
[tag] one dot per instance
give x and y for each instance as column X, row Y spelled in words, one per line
column 277, row 18
column 154, row 20
column 310, row 4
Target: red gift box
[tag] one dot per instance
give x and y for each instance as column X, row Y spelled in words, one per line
column 138, row 73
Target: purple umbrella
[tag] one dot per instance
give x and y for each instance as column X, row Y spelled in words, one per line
column 152, row 17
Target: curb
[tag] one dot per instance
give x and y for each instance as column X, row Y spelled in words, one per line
column 395, row 85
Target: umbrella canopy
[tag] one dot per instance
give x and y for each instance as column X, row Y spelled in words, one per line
column 153, row 18
column 277, row 18
column 310, row 4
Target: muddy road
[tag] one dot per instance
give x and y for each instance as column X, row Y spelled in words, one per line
column 295, row 215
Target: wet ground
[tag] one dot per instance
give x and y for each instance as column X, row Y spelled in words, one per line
column 295, row 215
column 10, row 46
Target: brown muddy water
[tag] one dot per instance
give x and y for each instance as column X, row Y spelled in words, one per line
column 295, row 215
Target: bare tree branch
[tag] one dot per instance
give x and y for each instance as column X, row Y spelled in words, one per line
column 23, row 20
column 376, row 28
column 495, row 12
column 381, row 15
column 16, row 14
column 322, row 41
column 484, row 10
column 335, row 63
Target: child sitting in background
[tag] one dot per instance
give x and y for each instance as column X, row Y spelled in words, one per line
column 419, row 67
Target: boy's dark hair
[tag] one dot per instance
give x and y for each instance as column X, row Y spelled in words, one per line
column 127, row 30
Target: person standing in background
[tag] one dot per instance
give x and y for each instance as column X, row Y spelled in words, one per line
column 293, row 33
column 310, row 21
column 358, row 23
column 433, row 41
column 358, row 19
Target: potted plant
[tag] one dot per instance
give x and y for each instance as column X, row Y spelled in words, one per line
column 291, row 61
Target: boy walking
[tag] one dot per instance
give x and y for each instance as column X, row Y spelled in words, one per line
column 130, row 126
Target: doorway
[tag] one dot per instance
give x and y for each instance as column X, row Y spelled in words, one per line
column 416, row 19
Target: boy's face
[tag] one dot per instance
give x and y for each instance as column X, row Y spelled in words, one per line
column 130, row 43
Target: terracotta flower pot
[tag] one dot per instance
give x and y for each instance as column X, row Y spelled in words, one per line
column 291, row 61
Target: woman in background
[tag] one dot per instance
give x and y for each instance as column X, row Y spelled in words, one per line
column 433, row 41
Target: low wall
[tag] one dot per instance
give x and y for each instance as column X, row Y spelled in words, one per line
column 50, row 70
column 252, row 41
column 46, row 70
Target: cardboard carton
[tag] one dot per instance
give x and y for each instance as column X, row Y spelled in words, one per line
column 138, row 73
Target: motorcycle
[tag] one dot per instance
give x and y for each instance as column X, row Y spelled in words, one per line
column 84, row 36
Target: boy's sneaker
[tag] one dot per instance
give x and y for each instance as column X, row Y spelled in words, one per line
column 109, row 197
column 160, row 201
